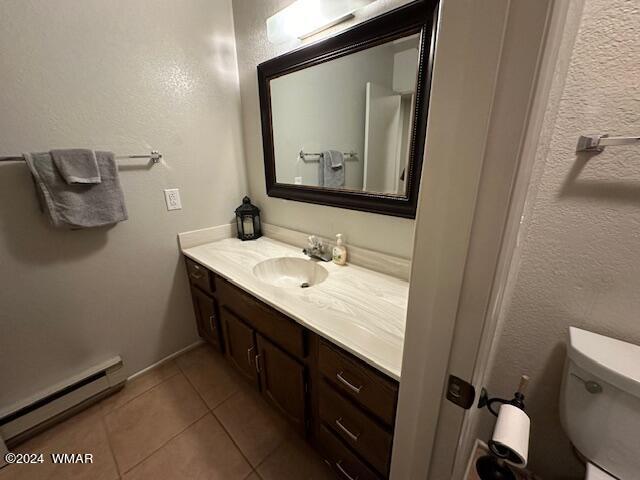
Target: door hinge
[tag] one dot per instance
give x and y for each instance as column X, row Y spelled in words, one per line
column 460, row 392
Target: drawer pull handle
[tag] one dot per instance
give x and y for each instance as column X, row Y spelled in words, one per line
column 258, row 368
column 348, row 432
column 211, row 323
column 348, row 383
column 196, row 275
column 343, row 471
column 249, row 350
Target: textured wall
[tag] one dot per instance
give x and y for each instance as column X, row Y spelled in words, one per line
column 579, row 257
column 378, row 232
column 125, row 75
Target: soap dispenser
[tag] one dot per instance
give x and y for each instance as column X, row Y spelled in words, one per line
column 339, row 251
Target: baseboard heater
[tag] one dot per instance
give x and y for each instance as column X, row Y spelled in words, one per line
column 20, row 421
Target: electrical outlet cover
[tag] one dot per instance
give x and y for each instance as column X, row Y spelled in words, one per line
column 172, row 198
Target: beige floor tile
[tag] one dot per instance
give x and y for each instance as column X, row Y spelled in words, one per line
column 204, row 451
column 210, row 374
column 296, row 460
column 139, row 385
column 255, row 427
column 83, row 433
column 147, row 422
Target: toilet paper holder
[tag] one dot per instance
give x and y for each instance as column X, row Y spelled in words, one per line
column 509, row 443
column 516, row 401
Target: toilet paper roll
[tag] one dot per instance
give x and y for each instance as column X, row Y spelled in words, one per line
column 510, row 439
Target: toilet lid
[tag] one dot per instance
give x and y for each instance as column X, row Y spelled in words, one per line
column 594, row 473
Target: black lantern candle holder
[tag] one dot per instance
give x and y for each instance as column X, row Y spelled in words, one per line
column 248, row 220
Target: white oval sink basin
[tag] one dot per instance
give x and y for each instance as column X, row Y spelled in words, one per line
column 289, row 272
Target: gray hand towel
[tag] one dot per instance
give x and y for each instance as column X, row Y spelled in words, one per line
column 331, row 170
column 78, row 205
column 77, row 165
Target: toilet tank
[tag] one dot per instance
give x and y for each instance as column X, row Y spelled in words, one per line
column 600, row 401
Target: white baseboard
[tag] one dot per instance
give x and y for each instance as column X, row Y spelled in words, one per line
column 167, row 359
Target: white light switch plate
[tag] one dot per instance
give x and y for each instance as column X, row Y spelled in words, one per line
column 172, row 197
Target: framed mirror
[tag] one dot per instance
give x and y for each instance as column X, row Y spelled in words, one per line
column 344, row 120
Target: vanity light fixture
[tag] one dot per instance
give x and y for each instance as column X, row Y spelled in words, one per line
column 304, row 18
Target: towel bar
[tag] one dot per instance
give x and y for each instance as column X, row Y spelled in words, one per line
column 303, row 156
column 154, row 156
column 596, row 142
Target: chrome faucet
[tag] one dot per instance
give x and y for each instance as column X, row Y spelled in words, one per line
column 317, row 249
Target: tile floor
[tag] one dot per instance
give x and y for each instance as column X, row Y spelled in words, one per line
column 190, row 418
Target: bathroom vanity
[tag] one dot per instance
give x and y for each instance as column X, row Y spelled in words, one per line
column 326, row 356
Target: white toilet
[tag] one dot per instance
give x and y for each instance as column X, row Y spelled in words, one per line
column 600, row 404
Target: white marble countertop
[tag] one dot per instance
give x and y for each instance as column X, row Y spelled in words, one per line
column 358, row 309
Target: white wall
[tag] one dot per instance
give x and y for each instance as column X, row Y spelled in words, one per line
column 578, row 262
column 127, row 75
column 387, row 234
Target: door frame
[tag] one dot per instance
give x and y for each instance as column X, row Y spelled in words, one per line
column 468, row 217
column 562, row 27
column 369, row 86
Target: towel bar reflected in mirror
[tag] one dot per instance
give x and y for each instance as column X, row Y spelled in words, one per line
column 303, row 156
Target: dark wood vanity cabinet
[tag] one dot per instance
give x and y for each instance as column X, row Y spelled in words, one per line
column 342, row 406
column 205, row 306
column 282, row 382
column 206, row 316
column 372, row 390
column 200, row 277
column 280, row 377
column 268, row 349
column 240, row 345
column 357, row 406
column 280, row 329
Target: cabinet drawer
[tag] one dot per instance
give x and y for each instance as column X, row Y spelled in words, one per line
column 199, row 276
column 355, row 428
column 345, row 464
column 272, row 324
column 360, row 382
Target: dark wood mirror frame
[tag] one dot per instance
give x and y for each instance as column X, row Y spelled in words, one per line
column 416, row 17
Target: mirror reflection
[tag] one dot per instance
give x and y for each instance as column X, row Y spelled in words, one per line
column 346, row 123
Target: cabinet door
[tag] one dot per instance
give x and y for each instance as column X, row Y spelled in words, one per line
column 240, row 344
column 206, row 317
column 282, row 381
